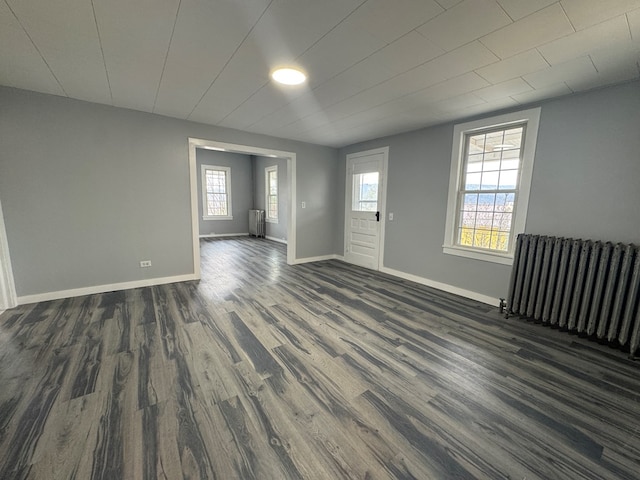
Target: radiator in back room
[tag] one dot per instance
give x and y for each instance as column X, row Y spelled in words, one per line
column 256, row 223
column 583, row 286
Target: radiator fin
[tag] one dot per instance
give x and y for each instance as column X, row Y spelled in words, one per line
column 582, row 286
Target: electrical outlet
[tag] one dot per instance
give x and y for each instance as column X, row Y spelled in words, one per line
column 390, row 216
column 304, row 204
column 145, row 263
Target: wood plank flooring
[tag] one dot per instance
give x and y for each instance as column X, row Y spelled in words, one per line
column 318, row 371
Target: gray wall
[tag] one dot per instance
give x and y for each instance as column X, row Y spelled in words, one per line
column 273, row 230
column 90, row 190
column 241, row 191
column 585, row 184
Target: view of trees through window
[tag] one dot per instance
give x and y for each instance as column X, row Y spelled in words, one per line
column 272, row 194
column 365, row 192
column 216, row 184
column 489, row 187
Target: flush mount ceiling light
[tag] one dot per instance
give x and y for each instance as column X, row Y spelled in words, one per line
column 288, row 76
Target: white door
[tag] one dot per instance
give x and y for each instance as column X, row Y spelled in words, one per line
column 364, row 210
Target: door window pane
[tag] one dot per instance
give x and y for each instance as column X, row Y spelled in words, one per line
column 365, row 192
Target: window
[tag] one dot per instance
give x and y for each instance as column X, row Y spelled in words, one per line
column 491, row 166
column 271, row 193
column 365, row 192
column 216, row 193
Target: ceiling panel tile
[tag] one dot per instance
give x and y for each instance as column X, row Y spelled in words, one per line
column 322, row 117
column 465, row 22
column 135, row 39
column 406, row 53
column 622, row 57
column 366, row 99
column 388, row 21
column 387, row 113
column 449, row 66
column 538, row 94
column 521, row 8
column 224, row 97
column 301, row 106
column 634, row 24
column 424, row 116
column 466, row 83
column 361, row 76
column 333, row 91
column 367, row 127
column 448, row 3
column 601, row 79
column 516, row 66
column 461, row 102
column 462, row 60
column 64, row 31
column 504, row 89
column 294, row 25
column 584, row 13
column 488, row 107
column 529, row 32
column 563, row 72
column 244, row 75
column 614, row 31
column 337, row 51
column 614, row 65
column 265, row 101
column 21, row 64
column 426, row 98
column 205, row 37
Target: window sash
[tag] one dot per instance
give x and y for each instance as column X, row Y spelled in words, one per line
column 476, row 228
column 216, row 195
column 271, row 190
column 460, row 163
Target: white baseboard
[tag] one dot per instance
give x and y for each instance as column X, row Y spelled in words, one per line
column 274, row 239
column 77, row 292
column 216, row 235
column 321, row 258
column 443, row 286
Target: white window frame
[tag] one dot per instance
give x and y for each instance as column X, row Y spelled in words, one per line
column 529, row 117
column 267, row 171
column 203, row 172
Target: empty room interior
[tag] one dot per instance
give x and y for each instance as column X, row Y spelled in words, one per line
column 337, row 239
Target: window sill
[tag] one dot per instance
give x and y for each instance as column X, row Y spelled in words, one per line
column 217, row 217
column 271, row 220
column 493, row 257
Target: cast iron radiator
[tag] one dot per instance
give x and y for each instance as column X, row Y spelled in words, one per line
column 256, row 223
column 583, row 286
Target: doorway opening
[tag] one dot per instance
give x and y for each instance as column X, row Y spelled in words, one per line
column 194, row 144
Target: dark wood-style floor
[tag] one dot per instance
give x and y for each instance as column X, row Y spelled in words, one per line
column 319, row 371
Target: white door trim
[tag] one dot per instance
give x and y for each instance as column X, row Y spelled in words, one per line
column 247, row 150
column 383, row 197
column 8, row 297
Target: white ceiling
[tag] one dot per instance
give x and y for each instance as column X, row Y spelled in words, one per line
column 375, row 67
